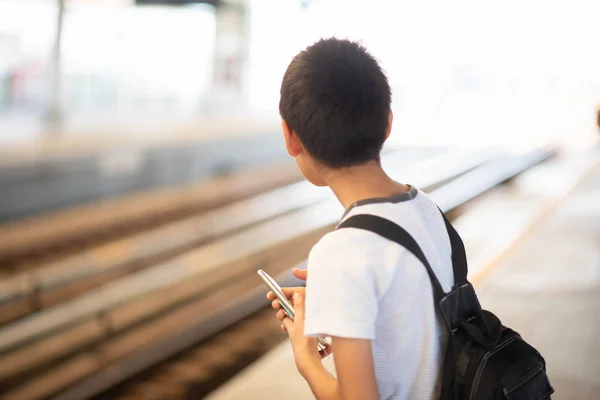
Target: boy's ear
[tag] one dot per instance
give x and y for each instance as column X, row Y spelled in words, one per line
column 292, row 143
column 389, row 126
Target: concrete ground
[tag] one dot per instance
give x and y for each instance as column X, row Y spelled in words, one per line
column 548, row 289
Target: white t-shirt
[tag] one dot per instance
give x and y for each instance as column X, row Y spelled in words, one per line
column 361, row 285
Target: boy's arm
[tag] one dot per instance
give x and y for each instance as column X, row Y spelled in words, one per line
column 341, row 302
column 354, row 366
column 353, row 358
column 355, row 370
column 353, row 361
column 323, row 385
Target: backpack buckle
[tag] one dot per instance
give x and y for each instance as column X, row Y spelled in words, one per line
column 459, row 305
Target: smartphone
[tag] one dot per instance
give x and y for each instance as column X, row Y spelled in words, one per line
column 286, row 305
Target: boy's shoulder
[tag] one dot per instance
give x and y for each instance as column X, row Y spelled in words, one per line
column 342, row 241
column 354, row 257
column 346, row 255
column 351, row 243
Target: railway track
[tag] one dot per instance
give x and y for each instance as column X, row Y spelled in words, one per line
column 202, row 369
column 41, row 258
column 83, row 345
column 28, row 243
column 51, row 281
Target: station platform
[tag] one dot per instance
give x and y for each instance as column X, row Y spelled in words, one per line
column 59, row 168
column 25, row 141
column 546, row 286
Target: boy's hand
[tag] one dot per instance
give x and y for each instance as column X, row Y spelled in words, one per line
column 306, row 352
column 289, row 291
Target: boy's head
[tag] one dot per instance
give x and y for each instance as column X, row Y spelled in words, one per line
column 335, row 106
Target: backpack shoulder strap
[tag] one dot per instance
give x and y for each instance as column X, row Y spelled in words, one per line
column 395, row 233
column 459, row 256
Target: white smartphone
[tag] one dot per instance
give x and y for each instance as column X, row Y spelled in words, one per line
column 286, row 305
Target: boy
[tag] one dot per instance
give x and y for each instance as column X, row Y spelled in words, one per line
column 370, row 295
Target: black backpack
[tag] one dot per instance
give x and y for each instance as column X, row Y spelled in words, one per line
column 484, row 359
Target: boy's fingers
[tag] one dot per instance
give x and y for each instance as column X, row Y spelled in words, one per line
column 288, row 291
column 298, row 299
column 280, row 315
column 287, row 323
column 275, row 304
column 300, row 273
column 326, row 351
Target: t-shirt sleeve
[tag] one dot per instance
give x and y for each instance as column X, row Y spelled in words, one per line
column 341, row 290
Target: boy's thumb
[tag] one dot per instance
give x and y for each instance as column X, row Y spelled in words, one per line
column 300, row 273
column 298, row 305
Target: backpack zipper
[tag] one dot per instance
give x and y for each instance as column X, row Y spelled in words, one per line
column 530, row 374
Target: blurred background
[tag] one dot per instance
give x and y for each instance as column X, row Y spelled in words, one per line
column 143, row 177
column 457, row 68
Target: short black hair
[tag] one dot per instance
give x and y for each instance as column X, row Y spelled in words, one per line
column 336, row 98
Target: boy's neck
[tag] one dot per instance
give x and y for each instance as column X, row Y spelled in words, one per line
column 362, row 182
